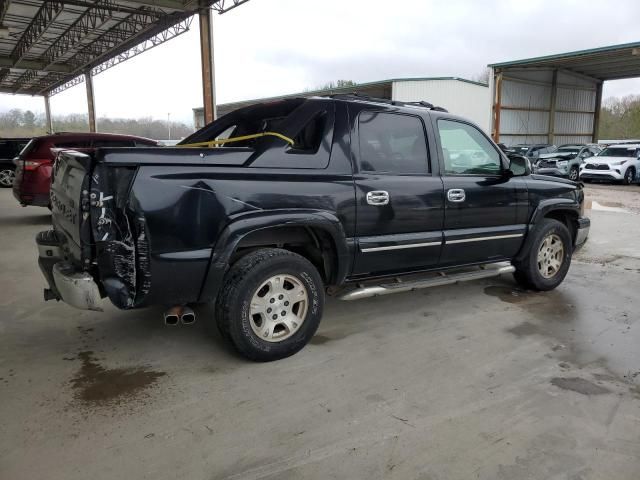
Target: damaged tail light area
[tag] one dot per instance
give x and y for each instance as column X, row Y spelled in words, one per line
column 119, row 232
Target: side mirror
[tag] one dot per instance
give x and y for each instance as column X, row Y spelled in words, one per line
column 519, row 166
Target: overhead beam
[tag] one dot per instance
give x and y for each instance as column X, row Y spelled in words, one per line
column 36, row 65
column 42, row 20
column 86, row 24
column 124, row 31
column 171, row 4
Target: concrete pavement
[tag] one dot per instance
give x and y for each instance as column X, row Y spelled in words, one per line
column 479, row 380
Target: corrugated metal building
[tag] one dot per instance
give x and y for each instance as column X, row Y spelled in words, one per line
column 556, row 99
column 458, row 95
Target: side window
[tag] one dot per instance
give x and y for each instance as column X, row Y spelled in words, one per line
column 392, row 143
column 466, row 151
column 113, row 143
column 586, row 153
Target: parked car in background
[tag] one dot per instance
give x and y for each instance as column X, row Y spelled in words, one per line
column 532, row 151
column 33, row 165
column 566, row 161
column 616, row 162
column 9, row 149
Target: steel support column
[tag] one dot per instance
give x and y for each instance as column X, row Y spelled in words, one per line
column 91, row 105
column 47, row 114
column 497, row 106
column 208, row 65
column 596, row 114
column 552, row 108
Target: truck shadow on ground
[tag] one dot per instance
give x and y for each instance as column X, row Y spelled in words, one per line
column 27, row 220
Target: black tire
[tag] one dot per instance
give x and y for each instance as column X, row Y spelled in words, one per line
column 243, row 281
column 528, row 272
column 574, row 173
column 629, row 176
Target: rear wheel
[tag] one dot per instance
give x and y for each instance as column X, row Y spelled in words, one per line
column 549, row 258
column 271, row 304
column 7, row 175
column 629, row 176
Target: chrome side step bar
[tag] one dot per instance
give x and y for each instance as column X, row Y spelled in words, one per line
column 435, row 280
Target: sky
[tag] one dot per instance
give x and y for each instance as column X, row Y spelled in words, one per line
column 273, row 47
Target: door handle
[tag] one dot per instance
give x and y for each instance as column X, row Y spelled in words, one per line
column 378, row 197
column 456, row 195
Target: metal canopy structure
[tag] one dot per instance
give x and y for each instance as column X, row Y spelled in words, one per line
column 556, row 98
column 48, row 46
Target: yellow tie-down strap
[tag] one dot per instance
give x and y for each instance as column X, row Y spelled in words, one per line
column 213, row 143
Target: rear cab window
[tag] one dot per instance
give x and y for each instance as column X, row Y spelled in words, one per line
column 392, row 143
column 305, row 122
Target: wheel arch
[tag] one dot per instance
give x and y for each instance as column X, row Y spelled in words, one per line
column 565, row 211
column 315, row 234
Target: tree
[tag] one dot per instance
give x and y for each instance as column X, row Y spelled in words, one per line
column 620, row 118
column 16, row 123
column 482, row 77
column 332, row 85
column 29, row 119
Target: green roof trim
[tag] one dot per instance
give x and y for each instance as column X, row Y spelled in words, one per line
column 565, row 56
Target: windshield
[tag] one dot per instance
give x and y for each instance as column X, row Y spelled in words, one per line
column 619, row 152
column 570, row 150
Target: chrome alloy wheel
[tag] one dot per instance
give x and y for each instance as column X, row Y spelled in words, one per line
column 278, row 308
column 7, row 176
column 550, row 255
column 573, row 174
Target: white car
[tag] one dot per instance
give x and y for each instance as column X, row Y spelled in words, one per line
column 617, row 162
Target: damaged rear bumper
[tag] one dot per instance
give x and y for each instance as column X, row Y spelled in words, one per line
column 66, row 282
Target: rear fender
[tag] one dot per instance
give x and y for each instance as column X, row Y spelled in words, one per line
column 252, row 222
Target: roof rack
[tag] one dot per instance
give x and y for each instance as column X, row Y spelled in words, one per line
column 387, row 101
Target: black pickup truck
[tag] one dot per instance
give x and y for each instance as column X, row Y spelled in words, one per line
column 271, row 207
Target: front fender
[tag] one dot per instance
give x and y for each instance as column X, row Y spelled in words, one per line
column 542, row 210
column 251, row 222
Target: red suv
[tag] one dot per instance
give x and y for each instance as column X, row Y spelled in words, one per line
column 34, row 164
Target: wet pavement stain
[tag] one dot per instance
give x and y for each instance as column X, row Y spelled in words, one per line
column 507, row 294
column 95, row 384
column 525, row 329
column 542, row 304
column 580, row 385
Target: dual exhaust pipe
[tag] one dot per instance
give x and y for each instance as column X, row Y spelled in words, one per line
column 179, row 314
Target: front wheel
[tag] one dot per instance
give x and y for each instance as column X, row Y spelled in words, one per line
column 629, row 176
column 7, row 175
column 573, row 174
column 548, row 259
column 271, row 304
